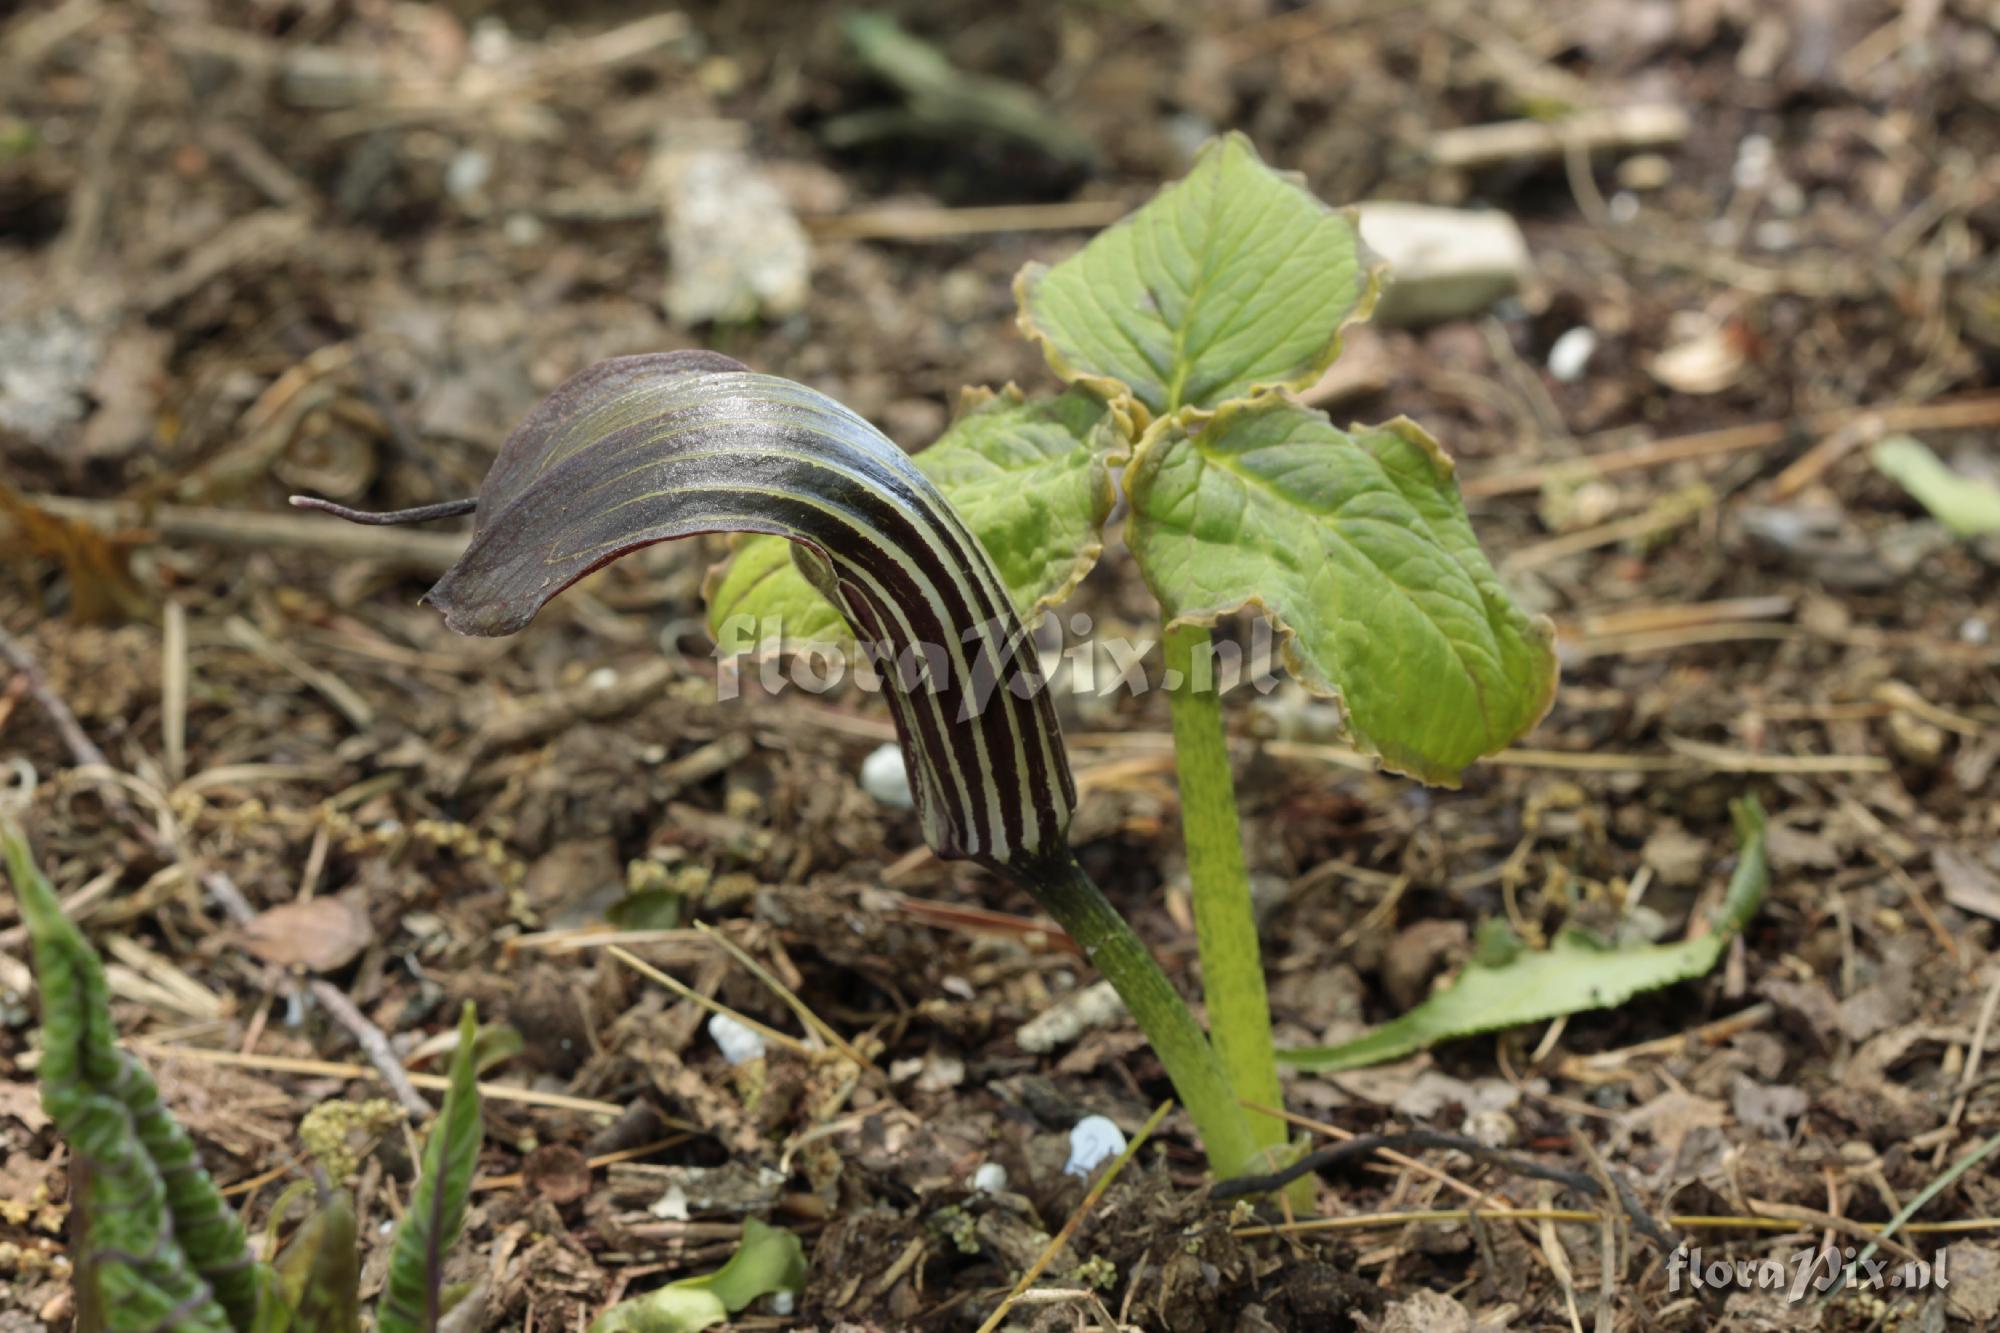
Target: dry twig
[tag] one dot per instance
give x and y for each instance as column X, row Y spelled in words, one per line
column 219, row 885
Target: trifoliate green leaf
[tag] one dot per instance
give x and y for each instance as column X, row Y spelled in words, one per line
column 760, row 599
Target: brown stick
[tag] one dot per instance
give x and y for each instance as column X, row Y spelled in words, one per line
column 1628, row 127
column 1946, row 414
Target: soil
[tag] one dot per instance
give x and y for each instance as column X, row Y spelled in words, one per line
column 254, row 247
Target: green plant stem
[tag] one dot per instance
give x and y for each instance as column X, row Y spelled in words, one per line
column 1079, row 907
column 1232, row 972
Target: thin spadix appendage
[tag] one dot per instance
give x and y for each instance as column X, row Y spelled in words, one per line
column 390, row 518
column 646, row 449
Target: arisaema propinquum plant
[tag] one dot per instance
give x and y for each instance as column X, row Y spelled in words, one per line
column 1181, row 334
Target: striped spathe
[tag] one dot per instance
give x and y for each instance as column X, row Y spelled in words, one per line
column 645, row 449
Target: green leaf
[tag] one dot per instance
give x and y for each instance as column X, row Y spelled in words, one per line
column 770, row 1259
column 1576, row 973
column 760, row 599
column 1969, row 507
column 415, row 1301
column 1031, row 478
column 155, row 1248
column 319, row 1272
column 649, row 909
column 496, row 1044
column 945, row 101
column 1357, row 544
column 1232, row 279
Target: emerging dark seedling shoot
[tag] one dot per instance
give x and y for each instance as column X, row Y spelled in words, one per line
column 155, row 1248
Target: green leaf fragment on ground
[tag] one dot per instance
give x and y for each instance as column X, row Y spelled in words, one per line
column 1232, row 279
column 1966, row 505
column 1357, row 543
column 1031, row 478
column 648, row 909
column 769, row 1259
column 415, row 1299
column 1576, row 973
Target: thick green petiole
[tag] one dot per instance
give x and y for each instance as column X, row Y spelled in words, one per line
column 1232, row 973
column 1079, row 907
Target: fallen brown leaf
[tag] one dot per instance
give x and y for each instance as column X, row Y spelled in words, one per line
column 557, row 1172
column 21, row 1101
column 1967, row 885
column 320, row 934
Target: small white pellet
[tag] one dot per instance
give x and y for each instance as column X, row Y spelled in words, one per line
column 1752, row 167
column 990, row 1178
column 1094, row 1140
column 1571, row 354
column 885, row 777
column 467, row 173
column 739, row 1044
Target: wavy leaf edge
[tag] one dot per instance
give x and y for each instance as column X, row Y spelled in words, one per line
column 1190, row 422
column 1139, row 418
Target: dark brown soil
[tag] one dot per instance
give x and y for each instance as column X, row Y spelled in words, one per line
column 341, row 247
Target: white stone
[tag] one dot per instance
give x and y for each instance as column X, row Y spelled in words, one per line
column 990, row 1178
column 1092, row 1007
column 523, row 230
column 1753, row 162
column 738, row 1044
column 1775, row 234
column 490, row 43
column 467, row 173
column 1570, row 355
column 1444, row 263
column 735, row 250
column 885, row 777
column 1094, row 1141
